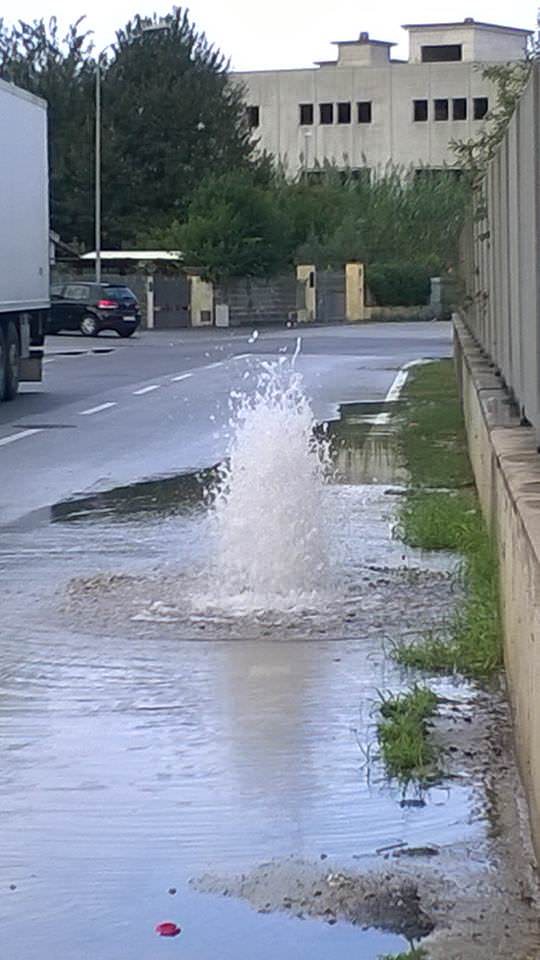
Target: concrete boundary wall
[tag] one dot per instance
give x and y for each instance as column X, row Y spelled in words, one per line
column 506, row 466
column 501, row 256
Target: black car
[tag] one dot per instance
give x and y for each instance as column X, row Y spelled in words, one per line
column 92, row 307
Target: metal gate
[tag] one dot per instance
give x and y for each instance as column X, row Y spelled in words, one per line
column 171, row 302
column 331, row 296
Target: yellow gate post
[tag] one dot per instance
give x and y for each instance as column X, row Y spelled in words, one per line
column 202, row 302
column 355, row 299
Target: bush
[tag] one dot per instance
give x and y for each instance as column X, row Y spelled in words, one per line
column 399, row 284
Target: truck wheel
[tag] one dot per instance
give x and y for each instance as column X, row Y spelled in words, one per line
column 88, row 326
column 2, row 363
column 12, row 357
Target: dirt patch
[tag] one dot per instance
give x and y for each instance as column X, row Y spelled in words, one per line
column 384, row 900
column 390, row 603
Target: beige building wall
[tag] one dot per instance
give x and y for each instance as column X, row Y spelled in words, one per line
column 364, row 72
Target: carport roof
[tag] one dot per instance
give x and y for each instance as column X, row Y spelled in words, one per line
column 135, row 255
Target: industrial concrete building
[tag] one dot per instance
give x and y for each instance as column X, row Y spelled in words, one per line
column 365, row 109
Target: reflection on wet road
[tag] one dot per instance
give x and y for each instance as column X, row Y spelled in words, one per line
column 135, row 758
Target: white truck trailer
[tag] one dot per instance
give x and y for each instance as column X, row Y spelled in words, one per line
column 24, row 236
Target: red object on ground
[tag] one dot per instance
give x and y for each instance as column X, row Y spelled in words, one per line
column 168, row 930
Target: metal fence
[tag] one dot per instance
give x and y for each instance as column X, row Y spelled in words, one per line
column 501, row 262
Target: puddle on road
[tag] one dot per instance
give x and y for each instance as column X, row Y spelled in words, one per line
column 164, row 497
column 364, row 448
column 135, row 759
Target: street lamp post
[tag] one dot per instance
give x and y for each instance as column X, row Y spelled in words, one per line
column 307, row 136
column 98, row 172
column 97, row 197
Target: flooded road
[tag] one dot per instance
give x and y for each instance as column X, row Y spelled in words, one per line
column 148, row 737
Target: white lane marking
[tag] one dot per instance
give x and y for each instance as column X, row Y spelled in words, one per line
column 297, row 350
column 139, row 393
column 211, row 366
column 17, row 436
column 396, row 387
column 91, row 410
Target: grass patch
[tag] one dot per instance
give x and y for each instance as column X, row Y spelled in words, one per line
column 404, row 734
column 471, row 643
column 440, row 521
column 432, row 431
column 416, row 953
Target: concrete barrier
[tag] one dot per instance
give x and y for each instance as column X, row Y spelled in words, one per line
column 506, row 466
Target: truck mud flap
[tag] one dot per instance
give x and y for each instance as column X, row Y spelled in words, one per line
column 31, row 368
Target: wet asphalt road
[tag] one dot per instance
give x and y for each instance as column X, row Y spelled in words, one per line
column 114, row 411
column 141, row 750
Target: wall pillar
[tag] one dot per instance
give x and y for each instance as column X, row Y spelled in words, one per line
column 201, row 302
column 355, row 299
column 306, row 275
column 150, row 320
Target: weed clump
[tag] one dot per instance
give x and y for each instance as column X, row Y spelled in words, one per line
column 403, row 733
column 416, row 953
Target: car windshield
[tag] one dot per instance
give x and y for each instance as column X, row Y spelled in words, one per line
column 120, row 293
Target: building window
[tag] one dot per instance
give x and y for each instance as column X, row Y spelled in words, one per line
column 441, row 109
column 306, row 114
column 442, row 53
column 361, row 175
column 432, row 175
column 481, row 107
column 420, row 110
column 253, row 116
column 459, row 108
column 326, row 113
column 343, row 113
column 364, row 111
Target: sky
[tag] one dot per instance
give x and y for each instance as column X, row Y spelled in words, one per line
column 281, row 33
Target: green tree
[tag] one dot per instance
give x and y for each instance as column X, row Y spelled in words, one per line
column 58, row 68
column 171, row 117
column 400, row 215
column 509, row 81
column 234, row 227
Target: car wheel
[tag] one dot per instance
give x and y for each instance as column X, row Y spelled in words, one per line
column 88, row 326
column 12, row 358
column 126, row 331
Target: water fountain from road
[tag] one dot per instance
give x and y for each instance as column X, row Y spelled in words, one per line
column 273, row 532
